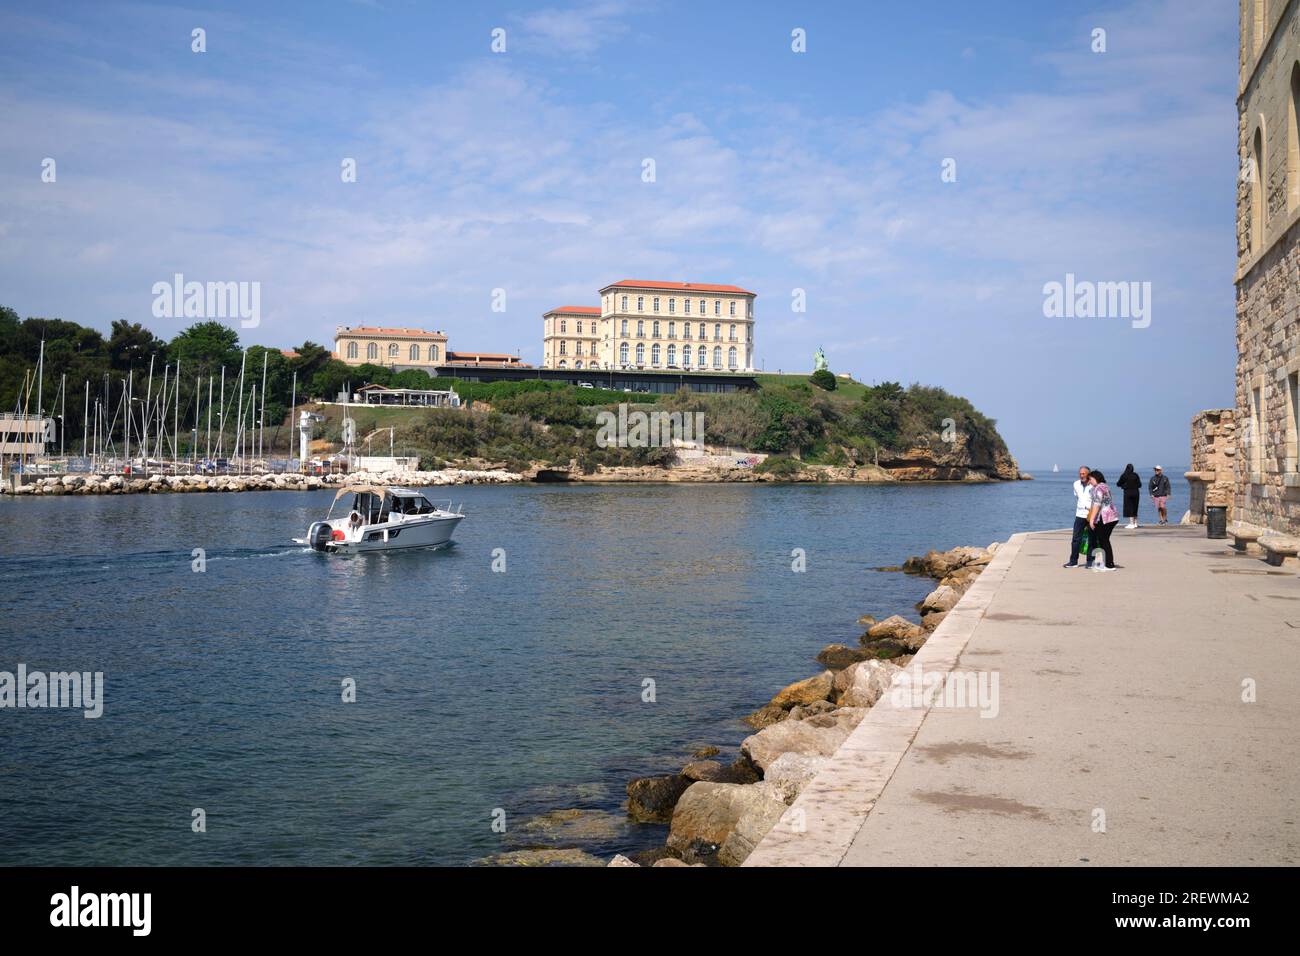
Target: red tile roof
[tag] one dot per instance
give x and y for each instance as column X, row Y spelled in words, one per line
column 578, row 309
column 676, row 286
column 372, row 330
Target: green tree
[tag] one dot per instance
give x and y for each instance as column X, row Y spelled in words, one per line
column 204, row 348
column 823, row 379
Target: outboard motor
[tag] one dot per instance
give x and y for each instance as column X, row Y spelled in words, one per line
column 318, row 534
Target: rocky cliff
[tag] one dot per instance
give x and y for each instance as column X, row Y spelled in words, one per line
column 961, row 459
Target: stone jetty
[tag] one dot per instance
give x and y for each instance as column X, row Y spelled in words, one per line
column 76, row 484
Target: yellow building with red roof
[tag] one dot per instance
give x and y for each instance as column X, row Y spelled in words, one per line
column 653, row 324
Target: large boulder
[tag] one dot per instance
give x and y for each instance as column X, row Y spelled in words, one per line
column 869, row 681
column 805, row 691
column 942, row 598
column 752, row 826
column 839, row 656
column 791, row 772
column 930, row 621
column 896, row 628
column 652, row 799
column 821, row 735
column 708, row 812
column 766, row 716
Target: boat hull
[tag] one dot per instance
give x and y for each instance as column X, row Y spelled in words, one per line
column 407, row 536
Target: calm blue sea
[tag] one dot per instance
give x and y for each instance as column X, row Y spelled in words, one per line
column 477, row 691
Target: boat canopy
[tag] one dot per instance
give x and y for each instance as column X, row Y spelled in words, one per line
column 360, row 490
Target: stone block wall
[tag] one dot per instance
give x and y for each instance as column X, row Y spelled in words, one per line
column 1214, row 460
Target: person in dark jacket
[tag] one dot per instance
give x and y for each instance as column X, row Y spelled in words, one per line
column 1159, row 488
column 1131, row 483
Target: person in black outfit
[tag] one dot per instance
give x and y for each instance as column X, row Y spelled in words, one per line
column 1131, row 483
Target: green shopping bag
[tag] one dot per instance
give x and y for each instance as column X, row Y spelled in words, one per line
column 1085, row 543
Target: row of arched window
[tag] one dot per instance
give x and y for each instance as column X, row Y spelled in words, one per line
column 394, row 352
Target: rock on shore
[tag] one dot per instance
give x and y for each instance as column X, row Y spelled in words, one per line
column 717, row 819
column 162, row 484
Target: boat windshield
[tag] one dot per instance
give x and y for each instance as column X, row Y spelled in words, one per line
column 412, row 505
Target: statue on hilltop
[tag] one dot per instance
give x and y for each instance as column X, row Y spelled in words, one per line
column 819, row 360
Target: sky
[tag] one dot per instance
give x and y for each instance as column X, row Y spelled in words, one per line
column 921, row 171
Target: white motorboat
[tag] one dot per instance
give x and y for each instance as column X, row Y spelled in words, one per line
column 382, row 519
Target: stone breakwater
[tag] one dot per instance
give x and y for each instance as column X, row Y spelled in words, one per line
column 55, row 485
column 718, row 813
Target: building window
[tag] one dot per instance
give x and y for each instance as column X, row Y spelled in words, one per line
column 686, row 306
column 731, row 334
column 564, row 326
column 562, row 364
column 717, row 356
column 717, row 331
column 624, row 303
column 640, row 303
column 578, row 364
column 1256, row 436
column 640, row 328
column 433, row 353
column 731, row 358
column 580, row 326
column 731, row 307
column 703, row 353
column 372, row 351
column 414, row 353
column 672, row 306
column 352, row 350
column 672, row 355
column 702, row 335
column 624, row 331
column 686, row 356
column 656, row 303
column 622, row 354
column 702, row 307
column 654, row 354
column 654, row 329
column 392, row 350
column 1293, row 422
column 578, row 350
column 640, row 353
column 564, row 347
column 672, row 330
column 1293, row 144
column 1257, row 175
column 686, row 330
column 717, row 306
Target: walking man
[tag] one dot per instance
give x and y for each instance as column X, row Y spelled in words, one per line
column 1159, row 488
column 1082, row 506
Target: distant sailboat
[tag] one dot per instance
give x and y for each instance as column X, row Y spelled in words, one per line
column 1056, row 468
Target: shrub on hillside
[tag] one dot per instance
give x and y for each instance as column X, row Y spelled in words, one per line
column 780, row 466
column 823, row 379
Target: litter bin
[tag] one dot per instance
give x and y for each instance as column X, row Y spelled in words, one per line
column 1216, row 521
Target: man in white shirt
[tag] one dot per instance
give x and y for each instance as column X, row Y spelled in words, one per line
column 1082, row 505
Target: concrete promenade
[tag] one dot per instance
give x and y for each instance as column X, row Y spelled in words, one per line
column 1121, row 736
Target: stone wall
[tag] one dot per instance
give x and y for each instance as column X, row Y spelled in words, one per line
column 1267, row 472
column 1214, row 460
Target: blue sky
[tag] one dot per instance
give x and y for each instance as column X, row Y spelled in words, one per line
column 775, row 170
